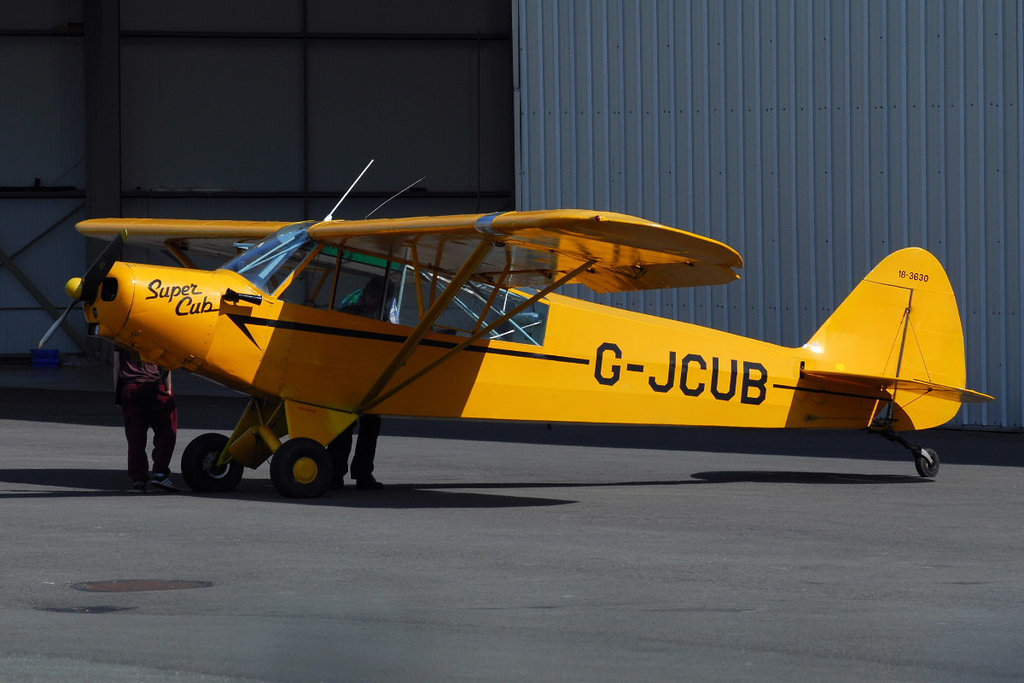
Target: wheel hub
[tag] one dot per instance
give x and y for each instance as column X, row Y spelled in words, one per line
column 305, row 470
column 211, row 467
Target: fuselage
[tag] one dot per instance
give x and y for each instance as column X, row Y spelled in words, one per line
column 596, row 364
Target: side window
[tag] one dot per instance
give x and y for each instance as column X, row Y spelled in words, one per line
column 369, row 287
column 312, row 287
column 343, row 281
column 369, row 294
column 475, row 300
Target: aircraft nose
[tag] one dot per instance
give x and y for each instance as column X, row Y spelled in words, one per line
column 83, row 289
column 109, row 311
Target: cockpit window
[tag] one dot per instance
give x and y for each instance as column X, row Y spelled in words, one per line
column 475, row 306
column 268, row 262
column 333, row 279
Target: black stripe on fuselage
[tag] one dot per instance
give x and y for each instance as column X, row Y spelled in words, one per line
column 828, row 392
column 243, row 320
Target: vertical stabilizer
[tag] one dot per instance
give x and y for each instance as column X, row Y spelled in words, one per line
column 900, row 323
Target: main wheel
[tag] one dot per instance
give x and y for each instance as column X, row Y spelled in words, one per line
column 925, row 468
column 301, row 468
column 199, row 466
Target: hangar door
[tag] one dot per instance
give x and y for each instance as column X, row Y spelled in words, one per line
column 242, row 109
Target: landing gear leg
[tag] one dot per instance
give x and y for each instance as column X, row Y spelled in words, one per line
column 926, row 460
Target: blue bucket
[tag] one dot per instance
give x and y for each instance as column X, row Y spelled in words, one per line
column 45, row 358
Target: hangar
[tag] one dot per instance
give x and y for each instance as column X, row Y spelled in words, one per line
column 813, row 137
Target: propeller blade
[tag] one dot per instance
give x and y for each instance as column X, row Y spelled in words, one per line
column 86, row 288
column 53, row 328
column 100, row 267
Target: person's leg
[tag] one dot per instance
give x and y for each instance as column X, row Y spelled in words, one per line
column 366, row 448
column 163, row 416
column 135, row 430
column 339, row 450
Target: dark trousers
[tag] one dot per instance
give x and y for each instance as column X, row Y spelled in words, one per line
column 145, row 407
column 366, row 448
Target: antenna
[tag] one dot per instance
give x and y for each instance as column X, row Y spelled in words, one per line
column 381, row 205
column 330, row 215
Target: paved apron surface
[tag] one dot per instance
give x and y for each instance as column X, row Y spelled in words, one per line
column 584, row 554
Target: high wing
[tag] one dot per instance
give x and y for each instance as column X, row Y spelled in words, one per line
column 627, row 253
column 621, row 253
column 182, row 237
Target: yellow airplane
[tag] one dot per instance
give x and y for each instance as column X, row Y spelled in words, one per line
column 464, row 323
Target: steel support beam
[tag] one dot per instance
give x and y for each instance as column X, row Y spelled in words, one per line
column 102, row 108
column 26, row 282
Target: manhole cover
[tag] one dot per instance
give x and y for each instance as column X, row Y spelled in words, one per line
column 92, row 609
column 138, row 585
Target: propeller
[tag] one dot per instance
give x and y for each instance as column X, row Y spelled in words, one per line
column 85, row 288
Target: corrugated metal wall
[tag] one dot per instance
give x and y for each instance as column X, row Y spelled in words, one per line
column 815, row 137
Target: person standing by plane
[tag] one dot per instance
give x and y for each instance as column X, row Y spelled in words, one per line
column 143, row 390
column 361, row 469
column 373, row 299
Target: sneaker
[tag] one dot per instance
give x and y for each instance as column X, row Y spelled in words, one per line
column 368, row 483
column 138, row 487
column 163, row 481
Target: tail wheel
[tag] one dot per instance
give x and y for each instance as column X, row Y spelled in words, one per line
column 926, row 460
column 301, row 468
column 199, row 466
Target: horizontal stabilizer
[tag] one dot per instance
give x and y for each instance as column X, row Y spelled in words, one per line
column 895, row 384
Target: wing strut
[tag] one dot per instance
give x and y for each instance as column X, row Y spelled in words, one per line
column 480, row 333
column 178, row 253
column 428, row 320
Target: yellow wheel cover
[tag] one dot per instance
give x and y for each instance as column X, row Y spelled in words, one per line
column 305, row 470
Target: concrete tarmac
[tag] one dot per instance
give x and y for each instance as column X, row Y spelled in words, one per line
column 509, row 553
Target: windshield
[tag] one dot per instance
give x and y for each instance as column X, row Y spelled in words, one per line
column 267, row 263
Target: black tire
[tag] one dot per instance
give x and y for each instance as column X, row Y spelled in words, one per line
column 301, row 468
column 925, row 468
column 199, row 466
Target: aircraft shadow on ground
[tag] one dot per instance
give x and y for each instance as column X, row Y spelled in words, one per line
column 82, row 483
column 218, row 413
column 77, row 483
column 954, row 446
column 781, row 477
